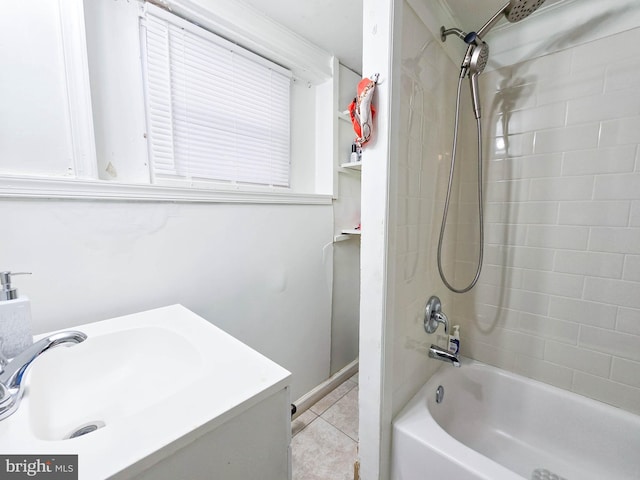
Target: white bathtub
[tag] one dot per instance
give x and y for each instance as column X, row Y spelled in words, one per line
column 495, row 425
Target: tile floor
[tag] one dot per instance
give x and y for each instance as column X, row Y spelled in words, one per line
column 325, row 437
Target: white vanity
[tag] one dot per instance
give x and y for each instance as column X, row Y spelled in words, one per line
column 164, row 394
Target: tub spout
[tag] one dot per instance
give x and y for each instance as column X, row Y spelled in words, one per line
column 443, row 355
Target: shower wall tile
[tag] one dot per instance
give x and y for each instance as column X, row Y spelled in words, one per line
column 628, row 321
column 557, row 237
column 567, row 138
column 559, row 297
column 615, row 240
column 602, row 107
column 610, row 214
column 599, row 161
column 632, row 268
column 592, row 264
column 561, row 188
column 583, row 312
column 622, row 131
column 613, row 187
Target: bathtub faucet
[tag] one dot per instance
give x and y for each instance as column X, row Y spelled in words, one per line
column 13, row 372
column 443, row 355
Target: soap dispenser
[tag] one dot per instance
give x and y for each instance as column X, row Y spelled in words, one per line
column 15, row 318
column 454, row 340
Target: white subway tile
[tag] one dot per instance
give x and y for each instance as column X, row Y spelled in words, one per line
column 532, row 119
column 593, row 264
column 628, row 320
column 603, row 107
column 561, row 188
column 583, row 311
column 566, row 88
column 525, row 301
column 626, row 371
column 554, row 283
column 617, row 292
column 632, row 268
column 489, row 354
column 564, row 139
column 533, row 166
column 604, row 51
column 520, row 257
column 510, row 340
column 549, row 328
column 614, row 393
column 607, row 341
column 634, row 217
column 601, row 160
column 515, row 145
column 505, row 234
column 530, row 213
column 617, row 187
column 544, row 68
column 606, row 214
column 620, row 131
column 615, row 240
column 622, row 75
column 543, row 371
column 557, row 236
column 502, row 276
column 516, row 97
column 508, row 191
column 578, row 358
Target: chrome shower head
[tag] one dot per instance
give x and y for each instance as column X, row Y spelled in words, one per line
column 521, row 9
column 514, row 11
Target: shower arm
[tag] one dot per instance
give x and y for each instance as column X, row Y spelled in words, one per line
column 492, row 21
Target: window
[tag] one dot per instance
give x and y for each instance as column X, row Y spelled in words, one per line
column 215, row 111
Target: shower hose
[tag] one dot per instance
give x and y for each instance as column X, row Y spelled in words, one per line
column 448, row 198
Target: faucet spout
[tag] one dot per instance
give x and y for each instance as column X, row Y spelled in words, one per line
column 443, row 355
column 13, row 372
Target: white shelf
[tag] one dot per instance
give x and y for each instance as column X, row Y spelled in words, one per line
column 347, row 234
column 352, row 165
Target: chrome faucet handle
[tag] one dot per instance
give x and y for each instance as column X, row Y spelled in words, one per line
column 433, row 315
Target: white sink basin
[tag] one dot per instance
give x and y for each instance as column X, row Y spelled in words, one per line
column 150, row 382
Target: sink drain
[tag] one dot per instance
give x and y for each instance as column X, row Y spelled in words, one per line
column 83, row 430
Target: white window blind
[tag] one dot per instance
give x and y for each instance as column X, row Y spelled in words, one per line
column 214, row 110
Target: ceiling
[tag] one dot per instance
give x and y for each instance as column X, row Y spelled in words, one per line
column 336, row 25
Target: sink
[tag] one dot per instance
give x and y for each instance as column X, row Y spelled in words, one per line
column 108, row 378
column 137, row 390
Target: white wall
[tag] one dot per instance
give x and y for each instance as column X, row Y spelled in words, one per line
column 257, row 271
column 346, row 254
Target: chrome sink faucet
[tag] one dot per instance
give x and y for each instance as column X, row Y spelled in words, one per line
column 14, row 371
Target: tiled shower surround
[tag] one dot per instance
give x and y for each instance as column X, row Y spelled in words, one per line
column 559, row 295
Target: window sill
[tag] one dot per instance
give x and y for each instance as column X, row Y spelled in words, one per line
column 31, row 187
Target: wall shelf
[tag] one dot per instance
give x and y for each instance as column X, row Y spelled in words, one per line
column 352, row 165
column 347, row 234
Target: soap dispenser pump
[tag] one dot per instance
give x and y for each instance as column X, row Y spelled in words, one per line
column 15, row 318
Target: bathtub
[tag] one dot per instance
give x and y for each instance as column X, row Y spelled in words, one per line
column 496, row 425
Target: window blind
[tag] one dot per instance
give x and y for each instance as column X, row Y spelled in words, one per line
column 214, row 110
